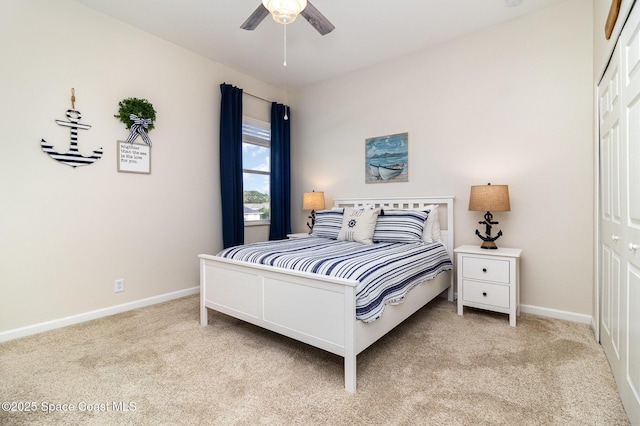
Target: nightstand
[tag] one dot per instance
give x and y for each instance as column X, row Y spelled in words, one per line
column 489, row 279
column 299, row 235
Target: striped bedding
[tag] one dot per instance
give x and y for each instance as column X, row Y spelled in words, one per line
column 385, row 271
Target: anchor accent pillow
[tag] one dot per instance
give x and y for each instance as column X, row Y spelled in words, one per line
column 358, row 225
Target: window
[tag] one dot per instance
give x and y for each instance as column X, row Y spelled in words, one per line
column 256, row 168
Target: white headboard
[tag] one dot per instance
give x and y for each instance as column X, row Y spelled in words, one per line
column 445, row 210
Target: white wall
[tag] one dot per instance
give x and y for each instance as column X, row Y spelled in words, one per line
column 509, row 105
column 66, row 234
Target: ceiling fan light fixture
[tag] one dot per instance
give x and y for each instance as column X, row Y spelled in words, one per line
column 284, row 11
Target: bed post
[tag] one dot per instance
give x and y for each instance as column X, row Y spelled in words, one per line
column 350, row 339
column 450, row 245
column 204, row 315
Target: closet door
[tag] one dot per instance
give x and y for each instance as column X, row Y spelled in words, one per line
column 611, row 207
column 619, row 214
column 630, row 74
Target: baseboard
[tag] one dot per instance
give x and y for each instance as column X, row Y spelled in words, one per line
column 554, row 313
column 99, row 313
column 105, row 312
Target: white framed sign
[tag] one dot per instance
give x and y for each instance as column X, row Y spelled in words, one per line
column 134, row 157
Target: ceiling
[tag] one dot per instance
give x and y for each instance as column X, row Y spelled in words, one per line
column 367, row 32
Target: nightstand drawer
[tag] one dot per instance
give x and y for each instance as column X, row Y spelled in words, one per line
column 485, row 293
column 480, row 268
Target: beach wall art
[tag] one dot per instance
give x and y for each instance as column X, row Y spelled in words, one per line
column 387, row 159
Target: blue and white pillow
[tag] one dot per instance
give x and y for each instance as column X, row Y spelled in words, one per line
column 400, row 226
column 328, row 223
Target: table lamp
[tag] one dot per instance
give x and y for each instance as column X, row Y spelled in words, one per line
column 488, row 198
column 312, row 201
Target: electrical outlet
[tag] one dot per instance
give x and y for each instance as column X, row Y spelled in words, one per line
column 119, row 285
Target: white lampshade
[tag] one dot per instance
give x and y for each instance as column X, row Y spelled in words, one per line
column 284, row 11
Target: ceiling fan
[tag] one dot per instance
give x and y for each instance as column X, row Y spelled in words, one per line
column 285, row 12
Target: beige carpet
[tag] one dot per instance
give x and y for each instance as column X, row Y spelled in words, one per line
column 157, row 365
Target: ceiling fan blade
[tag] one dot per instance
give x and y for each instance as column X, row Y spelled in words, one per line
column 317, row 19
column 255, row 18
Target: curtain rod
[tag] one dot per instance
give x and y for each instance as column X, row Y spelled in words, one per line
column 257, row 97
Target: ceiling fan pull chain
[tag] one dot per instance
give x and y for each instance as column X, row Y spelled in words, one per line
column 286, row 116
column 285, row 45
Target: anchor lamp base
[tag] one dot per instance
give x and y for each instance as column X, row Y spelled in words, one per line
column 488, row 242
column 490, row 245
column 313, row 221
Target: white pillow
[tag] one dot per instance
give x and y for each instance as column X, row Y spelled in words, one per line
column 358, row 225
column 435, row 231
column 432, row 226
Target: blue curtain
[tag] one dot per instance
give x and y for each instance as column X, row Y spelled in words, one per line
column 231, row 166
column 280, row 172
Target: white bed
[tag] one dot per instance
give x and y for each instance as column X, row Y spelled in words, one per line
column 316, row 309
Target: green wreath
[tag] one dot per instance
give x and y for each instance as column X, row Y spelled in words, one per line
column 139, row 107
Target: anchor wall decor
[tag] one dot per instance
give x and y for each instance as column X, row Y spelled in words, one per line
column 73, row 157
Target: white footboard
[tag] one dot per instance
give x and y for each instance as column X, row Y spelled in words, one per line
column 313, row 309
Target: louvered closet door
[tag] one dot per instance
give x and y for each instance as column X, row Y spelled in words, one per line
column 619, row 110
